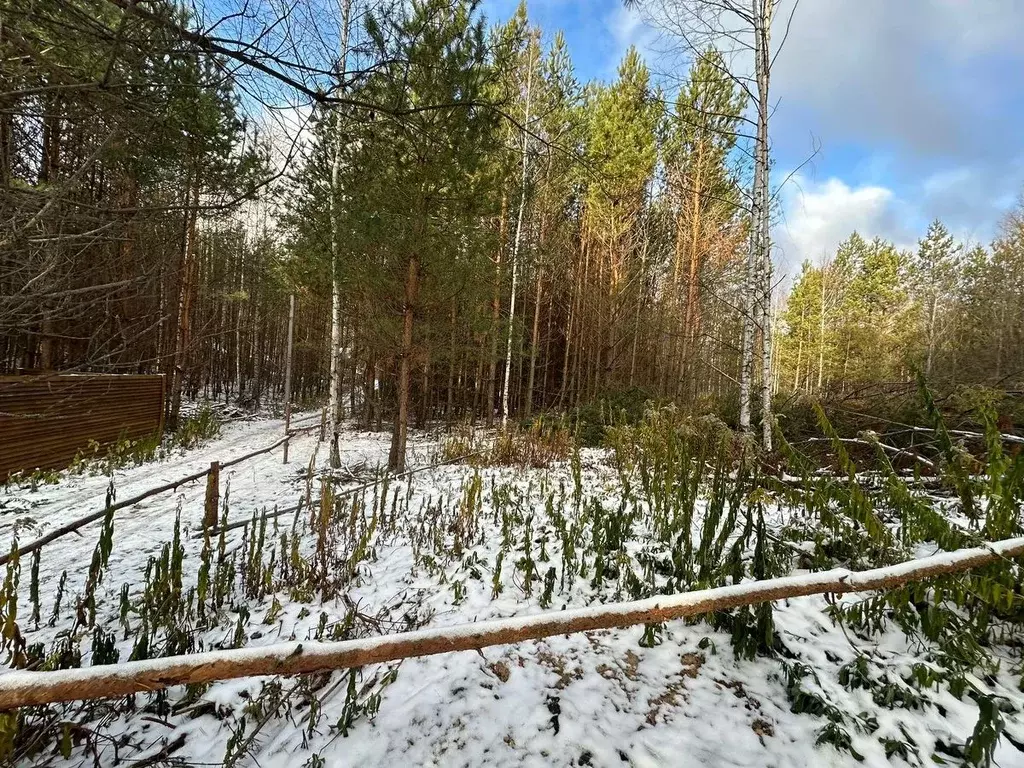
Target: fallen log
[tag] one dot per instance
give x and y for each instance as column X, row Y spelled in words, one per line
column 23, row 688
column 871, row 444
column 976, row 435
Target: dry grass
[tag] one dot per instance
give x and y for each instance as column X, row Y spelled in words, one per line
column 537, row 446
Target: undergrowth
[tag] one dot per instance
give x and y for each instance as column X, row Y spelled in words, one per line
column 537, row 445
column 679, row 504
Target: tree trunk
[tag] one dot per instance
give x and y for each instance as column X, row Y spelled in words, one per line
column 492, row 371
column 517, row 241
column 821, row 331
column 757, row 299
column 29, row 688
column 396, row 458
column 288, row 372
column 932, row 312
column 692, row 317
column 334, row 395
column 534, row 342
column 183, row 331
column 763, row 21
column 569, row 329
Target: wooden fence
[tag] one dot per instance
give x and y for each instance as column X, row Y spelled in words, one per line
column 46, row 420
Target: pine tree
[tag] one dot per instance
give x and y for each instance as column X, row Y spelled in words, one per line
column 621, row 154
column 420, row 186
column 934, row 273
column 560, row 128
column 800, row 340
column 701, row 137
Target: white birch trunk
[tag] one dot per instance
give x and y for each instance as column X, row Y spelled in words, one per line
column 516, row 242
column 762, row 35
column 288, row 372
column 749, row 311
column 334, row 404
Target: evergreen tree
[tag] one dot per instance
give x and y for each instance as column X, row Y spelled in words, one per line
column 621, row 153
column 419, row 186
column 701, row 135
column 934, row 273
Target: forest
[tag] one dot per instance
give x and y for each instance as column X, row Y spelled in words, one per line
column 420, row 226
column 469, row 231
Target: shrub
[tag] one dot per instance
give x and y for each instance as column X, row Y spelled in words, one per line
column 590, row 422
column 197, row 428
column 460, row 443
column 537, row 445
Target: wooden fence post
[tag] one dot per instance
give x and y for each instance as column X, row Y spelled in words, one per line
column 288, row 375
column 212, row 497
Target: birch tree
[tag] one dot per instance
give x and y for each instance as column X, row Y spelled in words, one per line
column 531, row 57
column 740, row 30
column 335, row 383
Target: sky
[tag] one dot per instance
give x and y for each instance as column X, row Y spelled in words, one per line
column 888, row 113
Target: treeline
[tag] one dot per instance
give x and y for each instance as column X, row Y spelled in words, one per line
column 873, row 313
column 576, row 239
column 125, row 157
column 470, row 232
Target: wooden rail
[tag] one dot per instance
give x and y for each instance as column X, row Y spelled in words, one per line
column 74, row 525
column 24, row 688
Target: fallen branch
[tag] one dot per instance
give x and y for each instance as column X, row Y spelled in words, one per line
column 163, row 755
column 872, row 443
column 977, row 435
column 23, row 688
column 74, row 525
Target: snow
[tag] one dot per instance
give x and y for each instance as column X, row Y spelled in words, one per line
column 455, row 637
column 595, row 698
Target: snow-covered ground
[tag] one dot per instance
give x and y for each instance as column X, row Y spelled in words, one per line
column 599, row 699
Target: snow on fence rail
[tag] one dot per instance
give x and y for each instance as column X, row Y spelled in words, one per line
column 24, row 688
column 74, row 525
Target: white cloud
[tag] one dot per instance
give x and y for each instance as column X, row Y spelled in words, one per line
column 817, row 217
column 628, row 28
column 922, row 74
column 624, row 24
column 287, row 129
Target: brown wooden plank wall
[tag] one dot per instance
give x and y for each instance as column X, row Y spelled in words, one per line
column 45, row 420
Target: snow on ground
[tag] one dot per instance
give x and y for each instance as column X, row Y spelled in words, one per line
column 598, row 699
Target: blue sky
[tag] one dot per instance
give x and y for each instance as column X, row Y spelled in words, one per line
column 598, row 31
column 916, row 107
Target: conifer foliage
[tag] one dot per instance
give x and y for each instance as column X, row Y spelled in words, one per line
column 495, row 237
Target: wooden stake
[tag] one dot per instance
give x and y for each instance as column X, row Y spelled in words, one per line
column 212, row 497
column 288, row 374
